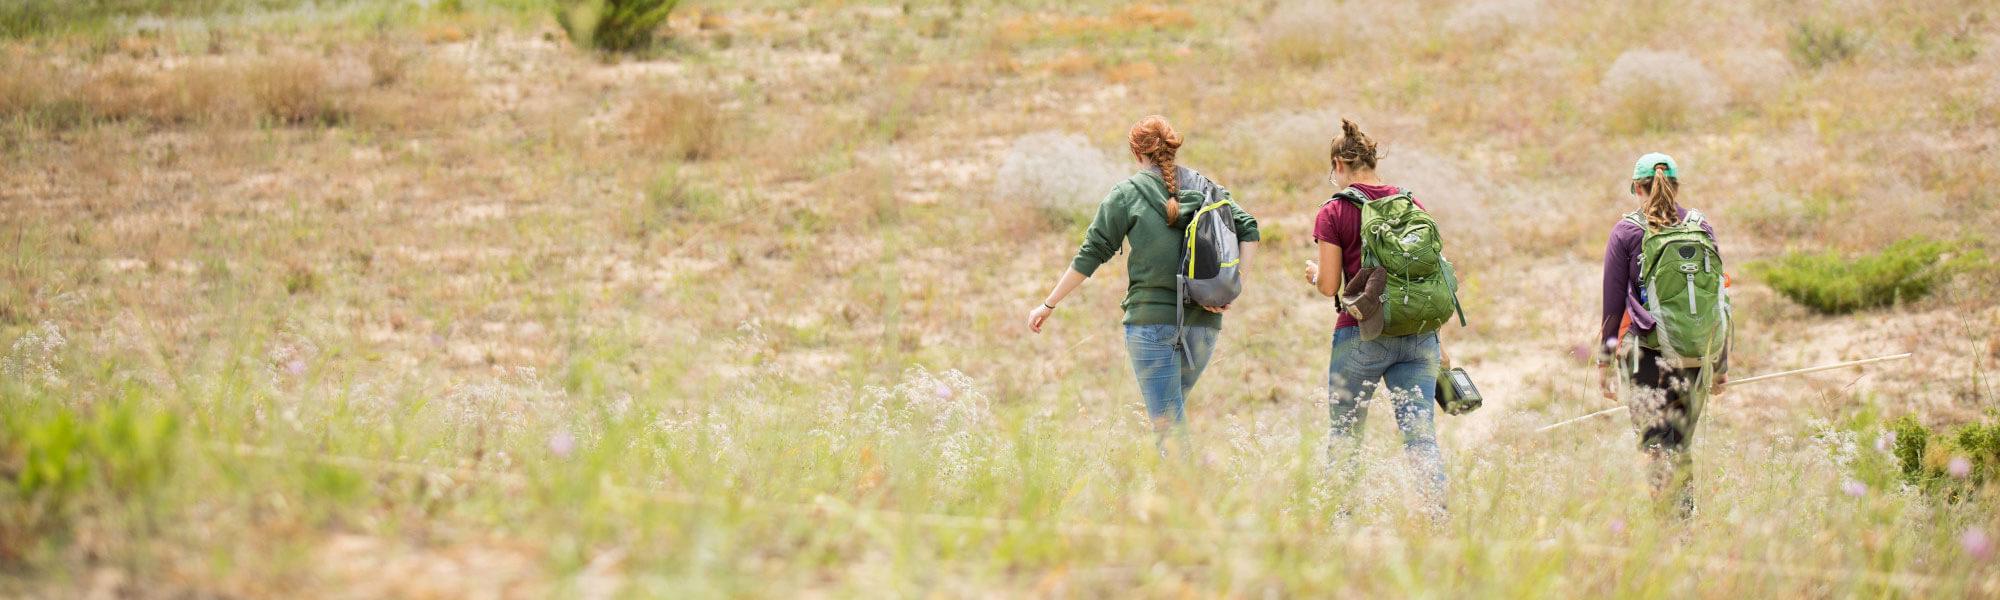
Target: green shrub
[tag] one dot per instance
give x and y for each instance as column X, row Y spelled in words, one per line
column 613, row 25
column 1815, row 45
column 1904, row 271
column 52, row 452
column 1925, row 457
column 1912, row 438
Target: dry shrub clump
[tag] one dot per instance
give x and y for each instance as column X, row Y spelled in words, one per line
column 1061, row 172
column 680, row 125
column 24, row 84
column 1493, row 19
column 1755, row 75
column 294, row 89
column 1285, row 147
column 1650, row 90
column 1302, row 33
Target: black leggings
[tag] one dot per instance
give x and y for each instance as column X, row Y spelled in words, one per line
column 1665, row 406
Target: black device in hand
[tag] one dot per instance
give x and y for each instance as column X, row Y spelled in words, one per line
column 1455, row 392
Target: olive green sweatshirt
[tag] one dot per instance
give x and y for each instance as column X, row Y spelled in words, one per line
column 1136, row 213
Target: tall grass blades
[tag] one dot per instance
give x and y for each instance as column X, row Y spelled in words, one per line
column 1903, row 272
column 613, row 25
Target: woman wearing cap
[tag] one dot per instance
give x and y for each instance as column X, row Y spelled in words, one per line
column 1663, row 406
column 1407, row 365
column 1143, row 212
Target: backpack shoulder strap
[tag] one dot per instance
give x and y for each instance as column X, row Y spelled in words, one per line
column 1351, row 195
column 1637, row 218
column 1694, row 218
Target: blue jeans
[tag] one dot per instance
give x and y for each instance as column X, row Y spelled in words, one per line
column 1165, row 373
column 1409, row 367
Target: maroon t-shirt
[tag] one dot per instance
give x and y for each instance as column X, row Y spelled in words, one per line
column 1339, row 223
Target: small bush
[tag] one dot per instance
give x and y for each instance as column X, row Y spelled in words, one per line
column 293, row 90
column 670, row 197
column 678, row 125
column 1926, row 457
column 1755, row 75
column 1495, row 18
column 54, row 452
column 1650, row 90
column 613, row 25
column 1286, row 148
column 1304, row 33
column 1905, row 271
column 1062, row 173
column 1816, row 45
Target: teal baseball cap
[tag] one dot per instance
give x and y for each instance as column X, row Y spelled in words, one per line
column 1644, row 168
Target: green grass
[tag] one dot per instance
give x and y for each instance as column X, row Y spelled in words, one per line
column 1905, row 271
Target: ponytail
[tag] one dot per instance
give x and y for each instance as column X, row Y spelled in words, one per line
column 1662, row 207
column 1154, row 138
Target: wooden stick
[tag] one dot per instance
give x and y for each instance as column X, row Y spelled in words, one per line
column 1765, row 377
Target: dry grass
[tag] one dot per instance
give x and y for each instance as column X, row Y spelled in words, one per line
column 741, row 318
column 293, row 89
column 679, row 125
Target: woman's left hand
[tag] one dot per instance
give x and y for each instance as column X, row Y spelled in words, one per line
column 1216, row 309
column 1721, row 380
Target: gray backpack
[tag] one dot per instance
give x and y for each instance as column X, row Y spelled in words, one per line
column 1212, row 253
column 1211, row 257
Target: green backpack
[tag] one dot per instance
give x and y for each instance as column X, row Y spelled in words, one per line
column 1422, row 289
column 1681, row 281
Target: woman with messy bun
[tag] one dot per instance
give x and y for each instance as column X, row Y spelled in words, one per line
column 1407, row 365
column 1150, row 211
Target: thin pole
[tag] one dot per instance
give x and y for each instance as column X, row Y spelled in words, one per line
column 1595, row 414
column 1817, row 369
column 1748, row 380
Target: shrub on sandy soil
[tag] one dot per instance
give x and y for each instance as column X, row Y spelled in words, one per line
column 1303, row 33
column 1819, row 44
column 1493, row 18
column 1286, row 147
column 24, row 84
column 294, row 90
column 1061, row 172
column 678, row 125
column 1754, row 75
column 1905, row 271
column 1653, row 90
column 613, row 25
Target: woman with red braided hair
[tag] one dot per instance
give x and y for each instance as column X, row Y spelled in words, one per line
column 1145, row 212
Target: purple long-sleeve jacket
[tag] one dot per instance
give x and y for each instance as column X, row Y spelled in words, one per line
column 1621, row 280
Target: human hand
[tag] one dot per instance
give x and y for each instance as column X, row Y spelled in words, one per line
column 1607, row 382
column 1037, row 316
column 1721, row 380
column 1216, row 309
column 1312, row 273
